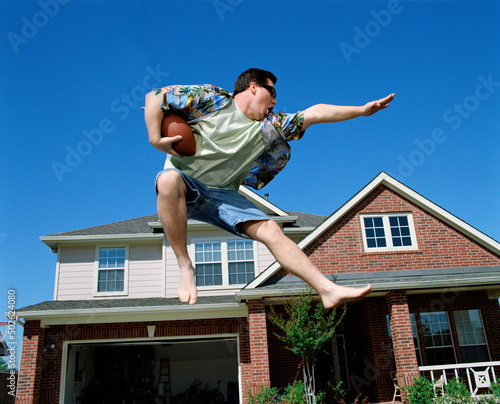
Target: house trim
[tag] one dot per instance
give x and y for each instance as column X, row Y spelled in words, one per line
column 261, row 202
column 54, row 241
column 135, row 314
column 58, row 270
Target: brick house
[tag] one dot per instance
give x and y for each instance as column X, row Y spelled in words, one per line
column 115, row 331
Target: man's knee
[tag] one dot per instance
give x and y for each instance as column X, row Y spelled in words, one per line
column 170, row 183
column 262, row 230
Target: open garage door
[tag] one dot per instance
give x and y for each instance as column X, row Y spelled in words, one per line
column 163, row 371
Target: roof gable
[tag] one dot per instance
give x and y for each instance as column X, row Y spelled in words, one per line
column 403, row 198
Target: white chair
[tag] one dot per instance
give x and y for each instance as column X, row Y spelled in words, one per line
column 439, row 385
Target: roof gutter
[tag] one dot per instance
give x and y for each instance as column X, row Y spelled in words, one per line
column 381, row 288
column 134, row 314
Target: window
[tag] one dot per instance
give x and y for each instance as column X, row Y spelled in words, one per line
column 111, row 270
column 388, row 232
column 437, row 338
column 471, row 337
column 224, row 263
column 208, row 265
column 240, row 261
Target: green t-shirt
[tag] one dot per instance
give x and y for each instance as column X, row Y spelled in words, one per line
column 227, row 144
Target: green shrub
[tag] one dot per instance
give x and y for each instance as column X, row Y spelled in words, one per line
column 420, row 392
column 266, row 395
column 456, row 388
column 294, row 393
column 495, row 388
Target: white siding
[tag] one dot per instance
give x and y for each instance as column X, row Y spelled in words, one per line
column 76, row 273
column 265, row 257
column 145, row 271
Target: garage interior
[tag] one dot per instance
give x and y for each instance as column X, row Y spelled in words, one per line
column 160, row 371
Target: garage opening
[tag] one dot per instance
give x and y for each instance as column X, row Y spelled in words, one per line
column 165, row 371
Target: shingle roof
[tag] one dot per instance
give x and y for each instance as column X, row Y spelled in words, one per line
column 131, row 226
column 307, row 219
column 71, row 305
column 139, row 225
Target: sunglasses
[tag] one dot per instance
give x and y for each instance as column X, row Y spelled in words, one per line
column 269, row 88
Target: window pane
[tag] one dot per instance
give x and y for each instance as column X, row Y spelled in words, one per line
column 112, row 257
column 471, row 335
column 478, row 353
column 209, row 251
column 111, row 280
column 400, row 231
column 241, row 272
column 208, row 274
column 374, row 232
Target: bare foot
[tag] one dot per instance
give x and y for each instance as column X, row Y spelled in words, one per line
column 187, row 286
column 338, row 295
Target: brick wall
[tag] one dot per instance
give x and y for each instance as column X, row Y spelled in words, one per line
column 402, row 337
column 256, row 373
column 30, row 372
column 284, row 365
column 340, row 248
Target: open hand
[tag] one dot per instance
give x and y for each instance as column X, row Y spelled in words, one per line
column 374, row 106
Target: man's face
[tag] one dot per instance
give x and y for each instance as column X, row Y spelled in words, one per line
column 265, row 100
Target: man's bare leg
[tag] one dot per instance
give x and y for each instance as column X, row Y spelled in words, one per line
column 293, row 259
column 172, row 211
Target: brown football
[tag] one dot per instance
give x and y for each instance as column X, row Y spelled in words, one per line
column 174, row 125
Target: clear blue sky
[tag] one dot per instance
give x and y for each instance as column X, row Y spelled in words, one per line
column 74, row 70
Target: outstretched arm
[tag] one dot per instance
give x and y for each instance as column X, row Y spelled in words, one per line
column 323, row 113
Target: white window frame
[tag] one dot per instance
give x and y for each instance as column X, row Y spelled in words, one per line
column 225, row 261
column 387, row 232
column 123, row 292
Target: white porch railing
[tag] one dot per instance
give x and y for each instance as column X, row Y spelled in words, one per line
column 478, row 373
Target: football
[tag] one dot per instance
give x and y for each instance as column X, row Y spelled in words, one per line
column 174, row 125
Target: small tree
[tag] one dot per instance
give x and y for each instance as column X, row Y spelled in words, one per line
column 305, row 332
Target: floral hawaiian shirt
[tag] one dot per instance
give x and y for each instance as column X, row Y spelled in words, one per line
column 193, row 103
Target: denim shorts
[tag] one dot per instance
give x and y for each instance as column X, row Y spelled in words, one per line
column 222, row 208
